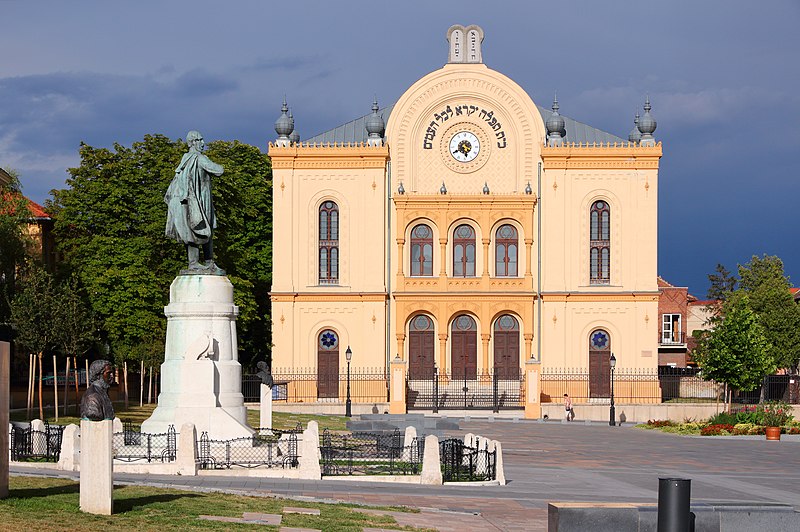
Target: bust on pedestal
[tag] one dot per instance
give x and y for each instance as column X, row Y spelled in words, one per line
column 265, row 374
column 97, row 450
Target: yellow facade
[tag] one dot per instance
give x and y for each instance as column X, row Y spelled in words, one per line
column 544, row 193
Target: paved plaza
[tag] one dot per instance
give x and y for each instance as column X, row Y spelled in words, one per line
column 547, row 462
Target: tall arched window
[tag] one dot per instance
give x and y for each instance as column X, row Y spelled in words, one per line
column 505, row 251
column 328, row 243
column 600, row 243
column 421, row 251
column 464, row 251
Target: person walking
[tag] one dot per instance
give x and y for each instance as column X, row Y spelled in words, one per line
column 570, row 413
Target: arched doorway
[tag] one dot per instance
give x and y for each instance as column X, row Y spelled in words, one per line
column 506, row 347
column 599, row 364
column 328, row 364
column 464, row 348
column 420, row 348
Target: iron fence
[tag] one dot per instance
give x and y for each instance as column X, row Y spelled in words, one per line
column 465, row 390
column 367, row 385
column 366, row 453
column 464, row 463
column 29, row 445
column 131, row 445
column 267, row 447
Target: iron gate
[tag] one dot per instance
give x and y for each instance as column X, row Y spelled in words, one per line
column 462, row 463
column 494, row 390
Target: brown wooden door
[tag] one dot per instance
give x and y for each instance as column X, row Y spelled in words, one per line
column 464, row 348
column 328, row 365
column 599, row 364
column 506, row 348
column 420, row 351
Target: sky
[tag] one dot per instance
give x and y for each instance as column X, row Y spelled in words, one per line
column 723, row 78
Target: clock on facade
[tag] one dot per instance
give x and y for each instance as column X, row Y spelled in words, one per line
column 464, row 146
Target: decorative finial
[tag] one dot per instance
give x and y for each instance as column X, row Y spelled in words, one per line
column 284, row 126
column 647, row 125
column 635, row 135
column 375, row 126
column 556, row 128
column 443, row 190
column 401, row 190
column 485, row 187
column 528, row 189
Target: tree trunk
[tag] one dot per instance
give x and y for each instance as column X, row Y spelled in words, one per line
column 31, row 371
column 141, row 383
column 125, row 377
column 150, row 387
column 75, row 363
column 41, row 406
column 87, row 373
column 66, row 387
column 55, row 387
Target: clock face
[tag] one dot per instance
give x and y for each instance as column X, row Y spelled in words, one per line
column 464, row 146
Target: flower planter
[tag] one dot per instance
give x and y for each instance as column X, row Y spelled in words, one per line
column 773, row 433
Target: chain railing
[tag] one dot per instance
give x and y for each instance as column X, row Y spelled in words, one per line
column 267, row 447
column 366, row 453
column 131, row 445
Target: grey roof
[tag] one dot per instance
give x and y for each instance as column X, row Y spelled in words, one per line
column 355, row 130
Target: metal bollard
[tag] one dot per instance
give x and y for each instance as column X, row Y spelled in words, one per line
column 673, row 504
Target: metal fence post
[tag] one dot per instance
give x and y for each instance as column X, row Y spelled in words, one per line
column 435, row 389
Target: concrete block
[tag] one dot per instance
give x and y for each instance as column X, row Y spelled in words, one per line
column 266, row 407
column 309, row 459
column 411, row 433
column 187, row 450
column 500, row 474
column 431, row 469
column 70, row 457
column 117, row 425
column 599, row 517
column 97, row 479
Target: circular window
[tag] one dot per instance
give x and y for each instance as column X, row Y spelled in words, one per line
column 328, row 340
column 600, row 340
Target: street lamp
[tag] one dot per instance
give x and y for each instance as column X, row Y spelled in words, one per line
column 613, row 363
column 348, row 405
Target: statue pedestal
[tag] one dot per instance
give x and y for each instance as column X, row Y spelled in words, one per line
column 97, row 478
column 201, row 378
column 266, row 408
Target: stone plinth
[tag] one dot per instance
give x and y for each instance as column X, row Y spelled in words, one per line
column 97, row 479
column 201, row 378
column 266, row 408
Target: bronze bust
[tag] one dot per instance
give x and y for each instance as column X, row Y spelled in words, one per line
column 95, row 403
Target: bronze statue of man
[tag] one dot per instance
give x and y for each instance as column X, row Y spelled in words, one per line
column 264, row 373
column 190, row 210
column 95, row 403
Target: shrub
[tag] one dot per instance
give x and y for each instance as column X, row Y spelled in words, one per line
column 752, row 414
column 723, row 418
column 719, row 429
column 744, row 429
column 657, row 424
column 775, row 414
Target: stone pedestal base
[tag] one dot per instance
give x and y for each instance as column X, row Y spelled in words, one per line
column 201, row 378
column 97, row 479
column 266, row 407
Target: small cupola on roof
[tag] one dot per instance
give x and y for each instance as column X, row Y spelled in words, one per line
column 375, row 126
column 556, row 127
column 647, row 125
column 635, row 135
column 284, row 126
column 465, row 44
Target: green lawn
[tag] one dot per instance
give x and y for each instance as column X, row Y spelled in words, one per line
column 52, row 504
column 138, row 414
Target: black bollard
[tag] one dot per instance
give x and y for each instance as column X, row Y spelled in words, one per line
column 673, row 504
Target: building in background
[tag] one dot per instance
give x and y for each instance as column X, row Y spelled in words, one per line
column 39, row 228
column 465, row 230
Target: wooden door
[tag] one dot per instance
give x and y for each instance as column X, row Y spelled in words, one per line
column 328, row 365
column 599, row 364
column 420, row 348
column 506, row 348
column 464, row 348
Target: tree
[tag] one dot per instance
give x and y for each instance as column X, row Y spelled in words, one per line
column 767, row 289
column 13, row 243
column 723, row 284
column 110, row 231
column 33, row 317
column 737, row 351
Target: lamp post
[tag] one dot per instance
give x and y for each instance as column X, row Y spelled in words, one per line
column 348, row 405
column 613, row 363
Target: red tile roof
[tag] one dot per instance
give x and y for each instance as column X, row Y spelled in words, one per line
column 36, row 210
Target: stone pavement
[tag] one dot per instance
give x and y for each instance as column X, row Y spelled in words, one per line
column 549, row 462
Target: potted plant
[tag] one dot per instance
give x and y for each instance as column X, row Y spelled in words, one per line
column 773, row 416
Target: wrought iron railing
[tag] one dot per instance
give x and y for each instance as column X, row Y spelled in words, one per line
column 131, row 445
column 464, row 463
column 267, row 447
column 366, row 453
column 495, row 390
column 29, row 445
column 367, row 385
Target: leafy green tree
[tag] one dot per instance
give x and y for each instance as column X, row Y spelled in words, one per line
column 767, row 289
column 14, row 243
column 33, row 317
column 737, row 351
column 110, row 231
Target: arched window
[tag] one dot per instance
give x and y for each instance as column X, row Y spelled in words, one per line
column 505, row 251
column 599, row 364
column 328, row 364
column 328, row 243
column 421, row 251
column 600, row 243
column 464, row 251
